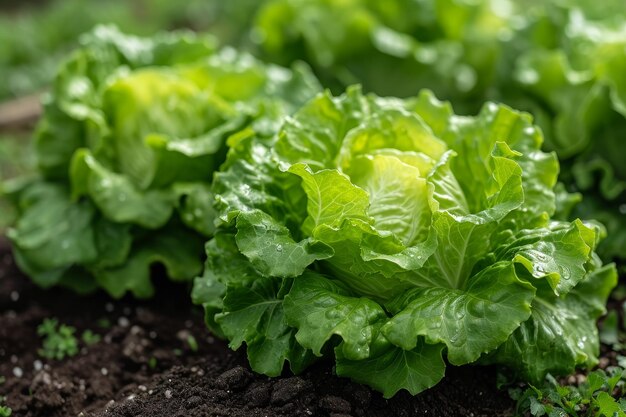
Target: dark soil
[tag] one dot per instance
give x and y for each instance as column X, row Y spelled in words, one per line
column 146, row 365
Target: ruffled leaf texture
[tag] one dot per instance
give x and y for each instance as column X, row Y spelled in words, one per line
column 132, row 132
column 562, row 61
column 392, row 234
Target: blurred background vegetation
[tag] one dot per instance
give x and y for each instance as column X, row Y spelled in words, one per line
column 35, row 36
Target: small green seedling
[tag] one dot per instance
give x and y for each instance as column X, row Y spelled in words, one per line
column 601, row 395
column 192, row 342
column 59, row 340
column 90, row 338
column 104, row 323
column 4, row 410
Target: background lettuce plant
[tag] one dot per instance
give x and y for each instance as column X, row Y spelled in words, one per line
column 131, row 134
column 574, row 84
column 392, row 233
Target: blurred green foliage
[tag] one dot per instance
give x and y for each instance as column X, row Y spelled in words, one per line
column 35, row 36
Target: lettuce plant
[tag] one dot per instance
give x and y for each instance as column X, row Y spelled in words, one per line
column 131, row 134
column 392, row 234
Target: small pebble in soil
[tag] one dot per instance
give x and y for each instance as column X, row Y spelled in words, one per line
column 258, row 395
column 123, row 321
column 109, row 307
column 13, row 359
column 15, row 296
column 235, row 378
column 287, row 389
column 168, row 394
column 183, row 335
column 37, row 365
column 193, row 402
column 42, row 378
column 603, row 363
column 335, row 404
column 18, row 372
column 361, row 396
column 104, row 371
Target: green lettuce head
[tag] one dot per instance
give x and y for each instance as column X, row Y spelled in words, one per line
column 393, row 234
column 131, row 134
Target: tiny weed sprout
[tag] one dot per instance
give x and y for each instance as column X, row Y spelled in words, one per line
column 58, row 340
column 104, row 323
column 192, row 343
column 90, row 338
